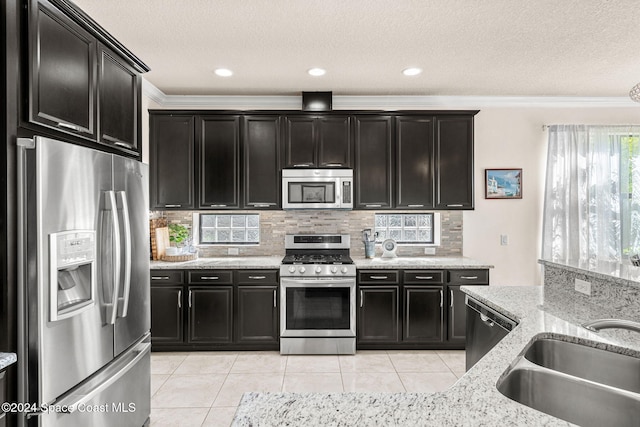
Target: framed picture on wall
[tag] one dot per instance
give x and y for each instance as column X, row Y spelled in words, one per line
column 503, row 184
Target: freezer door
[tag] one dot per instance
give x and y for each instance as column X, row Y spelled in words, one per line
column 65, row 304
column 118, row 396
column 132, row 197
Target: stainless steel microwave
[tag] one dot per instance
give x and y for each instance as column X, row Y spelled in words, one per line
column 317, row 189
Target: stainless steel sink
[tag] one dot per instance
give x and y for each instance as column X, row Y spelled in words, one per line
column 576, row 383
column 594, row 364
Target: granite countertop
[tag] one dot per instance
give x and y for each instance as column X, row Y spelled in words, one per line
column 250, row 262
column 473, row 400
column 420, row 262
column 7, row 359
column 231, row 262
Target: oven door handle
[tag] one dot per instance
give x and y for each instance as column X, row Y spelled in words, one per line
column 307, row 282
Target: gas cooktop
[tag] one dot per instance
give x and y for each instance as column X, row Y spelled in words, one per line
column 317, row 258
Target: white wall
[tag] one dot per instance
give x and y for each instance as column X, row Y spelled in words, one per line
column 514, row 138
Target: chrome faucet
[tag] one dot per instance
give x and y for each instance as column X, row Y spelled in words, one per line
column 598, row 325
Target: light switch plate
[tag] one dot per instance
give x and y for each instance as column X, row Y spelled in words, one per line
column 504, row 239
column 233, row 251
column 583, row 287
column 429, row 251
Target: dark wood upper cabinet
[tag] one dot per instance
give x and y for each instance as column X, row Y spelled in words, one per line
column 80, row 81
column 299, row 144
column 334, row 141
column 314, row 141
column 373, row 162
column 261, row 145
column 414, row 162
column 171, row 154
column 118, row 101
column 62, row 72
column 454, row 159
column 219, row 162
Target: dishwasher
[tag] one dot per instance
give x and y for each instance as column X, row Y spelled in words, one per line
column 485, row 329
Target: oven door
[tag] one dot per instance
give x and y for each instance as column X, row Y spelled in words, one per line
column 319, row 307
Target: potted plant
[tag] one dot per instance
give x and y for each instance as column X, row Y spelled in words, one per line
column 178, row 235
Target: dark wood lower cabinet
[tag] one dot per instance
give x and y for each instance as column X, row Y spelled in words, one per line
column 414, row 309
column 214, row 310
column 378, row 315
column 423, row 314
column 210, row 314
column 166, row 315
column 257, row 314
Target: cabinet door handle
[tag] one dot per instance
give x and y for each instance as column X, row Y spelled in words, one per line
column 122, row 144
column 172, row 206
column 69, row 126
column 361, row 298
column 415, row 206
column 217, row 206
column 275, row 299
column 372, row 206
column 333, row 164
column 259, row 205
column 424, row 277
column 441, row 298
column 257, row 277
column 159, row 277
column 378, row 277
column 457, row 205
column 189, row 298
column 469, row 277
column 209, row 277
column 302, row 165
column 451, row 298
column 179, row 299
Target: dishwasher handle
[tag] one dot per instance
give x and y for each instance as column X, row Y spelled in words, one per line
column 489, row 316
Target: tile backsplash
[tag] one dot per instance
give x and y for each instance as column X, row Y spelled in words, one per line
column 275, row 224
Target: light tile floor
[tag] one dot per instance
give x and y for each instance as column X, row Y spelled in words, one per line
column 204, row 388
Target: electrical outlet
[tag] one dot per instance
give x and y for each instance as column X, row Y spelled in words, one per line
column 504, row 239
column 233, row 251
column 429, row 251
column 583, row 287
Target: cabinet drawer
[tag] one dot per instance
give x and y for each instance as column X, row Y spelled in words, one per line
column 418, row 277
column 211, row 277
column 480, row 277
column 173, row 277
column 256, row 277
column 371, row 277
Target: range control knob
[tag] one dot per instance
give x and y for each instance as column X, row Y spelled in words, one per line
column 334, row 269
column 344, row 270
column 302, row 270
column 318, row 270
column 292, row 269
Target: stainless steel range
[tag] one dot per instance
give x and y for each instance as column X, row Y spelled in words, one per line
column 317, row 295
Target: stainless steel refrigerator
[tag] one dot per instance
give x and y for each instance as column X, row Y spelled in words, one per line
column 84, row 313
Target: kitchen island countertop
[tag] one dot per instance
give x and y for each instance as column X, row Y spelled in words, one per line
column 7, row 359
column 473, row 400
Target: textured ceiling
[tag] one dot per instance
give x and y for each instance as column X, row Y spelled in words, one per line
column 465, row 47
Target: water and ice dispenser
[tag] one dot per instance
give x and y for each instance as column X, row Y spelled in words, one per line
column 72, row 260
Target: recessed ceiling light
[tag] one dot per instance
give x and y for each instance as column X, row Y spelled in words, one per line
column 223, row 72
column 411, row 71
column 317, row 72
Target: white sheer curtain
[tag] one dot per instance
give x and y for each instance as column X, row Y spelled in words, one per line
column 592, row 209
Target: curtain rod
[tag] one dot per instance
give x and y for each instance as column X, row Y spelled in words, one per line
column 545, row 127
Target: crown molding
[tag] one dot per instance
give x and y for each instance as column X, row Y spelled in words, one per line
column 364, row 102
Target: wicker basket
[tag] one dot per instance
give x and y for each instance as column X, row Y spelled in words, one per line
column 182, row 257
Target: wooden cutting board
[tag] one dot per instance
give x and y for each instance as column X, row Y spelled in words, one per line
column 162, row 241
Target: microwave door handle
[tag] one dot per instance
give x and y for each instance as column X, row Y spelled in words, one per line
column 112, row 307
column 124, row 299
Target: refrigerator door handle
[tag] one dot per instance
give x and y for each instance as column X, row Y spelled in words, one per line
column 123, row 301
column 112, row 206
